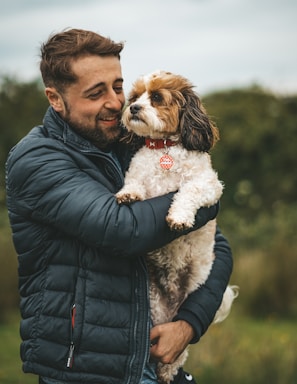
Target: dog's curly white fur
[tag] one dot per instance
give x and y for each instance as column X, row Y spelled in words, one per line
column 164, row 108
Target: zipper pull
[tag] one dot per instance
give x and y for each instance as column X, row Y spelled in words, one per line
column 71, row 348
column 70, row 356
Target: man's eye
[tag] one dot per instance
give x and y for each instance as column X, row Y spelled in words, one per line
column 95, row 95
column 118, row 89
column 156, row 97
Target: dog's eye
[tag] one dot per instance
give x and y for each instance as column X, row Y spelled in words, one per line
column 156, row 97
column 132, row 97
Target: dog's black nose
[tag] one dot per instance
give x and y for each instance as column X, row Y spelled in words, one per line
column 135, row 108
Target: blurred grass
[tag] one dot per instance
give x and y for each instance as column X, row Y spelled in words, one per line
column 10, row 362
column 247, row 351
column 240, row 350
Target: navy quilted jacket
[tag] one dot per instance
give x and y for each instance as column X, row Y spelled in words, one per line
column 82, row 276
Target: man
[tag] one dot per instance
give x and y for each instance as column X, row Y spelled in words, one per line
column 82, row 275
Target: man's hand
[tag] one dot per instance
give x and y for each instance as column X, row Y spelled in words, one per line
column 169, row 340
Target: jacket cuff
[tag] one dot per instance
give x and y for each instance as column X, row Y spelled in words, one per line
column 193, row 321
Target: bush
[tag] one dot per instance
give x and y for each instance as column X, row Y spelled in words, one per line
column 265, row 266
column 9, row 297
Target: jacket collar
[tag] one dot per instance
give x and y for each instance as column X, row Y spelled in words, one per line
column 59, row 129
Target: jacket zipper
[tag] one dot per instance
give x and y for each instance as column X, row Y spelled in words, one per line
column 146, row 323
column 72, row 346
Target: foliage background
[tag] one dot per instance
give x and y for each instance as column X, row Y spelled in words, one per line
column 256, row 159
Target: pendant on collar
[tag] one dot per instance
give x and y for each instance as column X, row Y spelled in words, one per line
column 166, row 161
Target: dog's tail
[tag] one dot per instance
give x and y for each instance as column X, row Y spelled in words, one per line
column 232, row 291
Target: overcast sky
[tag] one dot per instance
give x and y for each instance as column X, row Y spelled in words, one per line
column 217, row 44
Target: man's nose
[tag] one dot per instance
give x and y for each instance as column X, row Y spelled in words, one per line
column 114, row 101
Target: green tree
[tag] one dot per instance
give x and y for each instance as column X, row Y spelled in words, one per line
column 22, row 106
column 256, row 157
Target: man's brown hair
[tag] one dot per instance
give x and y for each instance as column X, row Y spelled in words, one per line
column 62, row 48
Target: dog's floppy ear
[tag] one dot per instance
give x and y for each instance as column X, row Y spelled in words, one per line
column 198, row 132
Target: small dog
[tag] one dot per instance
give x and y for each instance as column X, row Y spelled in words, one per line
column 164, row 110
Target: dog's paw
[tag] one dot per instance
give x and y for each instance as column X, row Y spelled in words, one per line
column 180, row 218
column 178, row 225
column 127, row 198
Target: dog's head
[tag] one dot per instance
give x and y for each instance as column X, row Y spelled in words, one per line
column 163, row 105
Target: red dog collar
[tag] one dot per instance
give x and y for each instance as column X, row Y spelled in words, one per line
column 159, row 143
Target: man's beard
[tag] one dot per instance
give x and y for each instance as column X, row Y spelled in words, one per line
column 96, row 135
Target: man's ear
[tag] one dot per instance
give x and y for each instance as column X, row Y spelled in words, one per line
column 55, row 99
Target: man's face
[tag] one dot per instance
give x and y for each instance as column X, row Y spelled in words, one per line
column 93, row 105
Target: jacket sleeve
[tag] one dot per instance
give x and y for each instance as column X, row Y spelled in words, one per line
column 201, row 306
column 45, row 185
